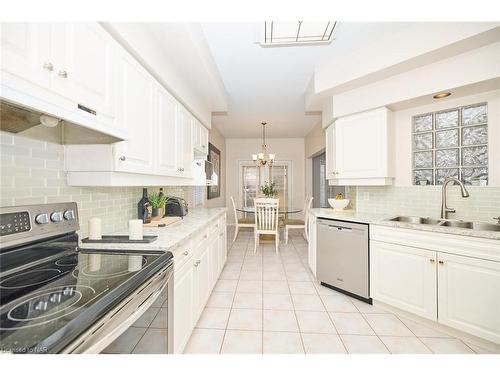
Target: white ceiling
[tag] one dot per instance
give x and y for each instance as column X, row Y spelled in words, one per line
column 268, row 84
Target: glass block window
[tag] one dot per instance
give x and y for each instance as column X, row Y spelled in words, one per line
column 451, row 143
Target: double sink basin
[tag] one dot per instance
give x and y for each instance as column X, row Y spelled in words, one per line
column 474, row 225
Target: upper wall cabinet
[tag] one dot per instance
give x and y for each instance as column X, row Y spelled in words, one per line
column 66, row 70
column 200, row 139
column 359, row 149
column 136, row 113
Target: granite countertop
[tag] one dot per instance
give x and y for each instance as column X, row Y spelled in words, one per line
column 169, row 237
column 383, row 220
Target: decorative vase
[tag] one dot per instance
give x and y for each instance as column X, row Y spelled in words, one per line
column 156, row 214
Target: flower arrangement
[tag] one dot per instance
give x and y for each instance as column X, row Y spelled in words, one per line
column 269, row 189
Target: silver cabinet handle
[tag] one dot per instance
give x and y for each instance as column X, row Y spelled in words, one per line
column 186, row 253
column 48, row 66
column 63, row 74
column 122, row 158
column 440, row 262
column 220, row 235
column 203, row 146
column 431, row 260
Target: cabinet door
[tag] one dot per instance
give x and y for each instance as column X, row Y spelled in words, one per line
column 222, row 251
column 214, row 260
column 404, row 277
column 202, row 279
column 204, row 139
column 469, row 295
column 183, row 306
column 167, row 137
column 331, row 172
column 361, row 146
column 136, row 113
column 185, row 153
column 85, row 68
column 26, row 51
column 197, row 136
column 312, row 243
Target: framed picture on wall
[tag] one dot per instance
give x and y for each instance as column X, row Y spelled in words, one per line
column 214, row 158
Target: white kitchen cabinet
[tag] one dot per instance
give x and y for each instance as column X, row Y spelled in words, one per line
column 362, row 149
column 214, row 259
column 312, row 243
column 63, row 69
column 185, row 154
column 404, row 277
column 202, row 287
column 469, row 295
column 167, row 139
column 26, row 52
column 331, row 172
column 222, row 244
column 85, row 65
column 183, row 305
column 200, row 139
column 136, row 111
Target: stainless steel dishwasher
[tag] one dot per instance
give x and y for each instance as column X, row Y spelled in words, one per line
column 342, row 257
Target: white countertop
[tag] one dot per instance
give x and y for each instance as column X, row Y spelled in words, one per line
column 383, row 220
column 169, row 237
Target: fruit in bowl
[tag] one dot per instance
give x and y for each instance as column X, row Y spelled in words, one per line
column 338, row 203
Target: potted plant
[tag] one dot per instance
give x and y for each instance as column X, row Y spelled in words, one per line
column 269, row 190
column 157, row 203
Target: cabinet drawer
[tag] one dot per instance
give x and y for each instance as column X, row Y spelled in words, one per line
column 183, row 254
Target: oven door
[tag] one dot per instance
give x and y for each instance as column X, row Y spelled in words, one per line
column 111, row 326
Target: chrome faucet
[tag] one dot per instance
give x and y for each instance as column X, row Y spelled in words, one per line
column 444, row 208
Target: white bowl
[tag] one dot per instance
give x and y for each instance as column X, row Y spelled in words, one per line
column 338, row 204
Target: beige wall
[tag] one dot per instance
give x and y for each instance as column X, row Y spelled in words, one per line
column 403, row 123
column 218, row 140
column 286, row 149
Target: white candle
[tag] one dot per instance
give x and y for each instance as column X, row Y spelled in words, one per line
column 135, row 229
column 95, row 232
column 134, row 263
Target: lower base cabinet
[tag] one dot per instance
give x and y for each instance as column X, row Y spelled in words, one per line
column 415, row 271
column 427, row 279
column 311, row 260
column 469, row 295
column 195, row 278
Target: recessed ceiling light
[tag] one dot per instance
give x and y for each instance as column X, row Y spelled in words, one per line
column 442, row 95
column 286, row 34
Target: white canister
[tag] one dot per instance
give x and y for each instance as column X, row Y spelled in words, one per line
column 135, row 228
column 95, row 231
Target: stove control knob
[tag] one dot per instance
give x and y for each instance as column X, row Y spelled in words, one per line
column 56, row 216
column 41, row 305
column 55, row 297
column 42, row 219
column 69, row 215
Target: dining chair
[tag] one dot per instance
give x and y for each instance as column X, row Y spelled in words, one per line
column 266, row 219
column 300, row 223
column 240, row 223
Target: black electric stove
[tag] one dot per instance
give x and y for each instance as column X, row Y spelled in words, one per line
column 50, row 290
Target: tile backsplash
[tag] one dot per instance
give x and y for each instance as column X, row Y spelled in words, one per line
column 32, row 173
column 482, row 204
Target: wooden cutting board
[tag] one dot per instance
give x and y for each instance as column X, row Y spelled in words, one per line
column 169, row 220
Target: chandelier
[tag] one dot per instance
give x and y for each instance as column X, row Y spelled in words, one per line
column 263, row 158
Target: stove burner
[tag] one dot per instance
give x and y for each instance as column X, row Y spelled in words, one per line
column 30, row 278
column 68, row 261
column 37, row 307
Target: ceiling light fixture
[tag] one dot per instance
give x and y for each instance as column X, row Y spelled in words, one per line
column 287, row 34
column 442, row 95
column 263, row 158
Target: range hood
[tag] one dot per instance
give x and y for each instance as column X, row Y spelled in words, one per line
column 37, row 125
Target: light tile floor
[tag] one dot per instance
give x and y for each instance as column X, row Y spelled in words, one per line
column 268, row 303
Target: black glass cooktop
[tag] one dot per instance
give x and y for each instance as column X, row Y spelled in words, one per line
column 45, row 307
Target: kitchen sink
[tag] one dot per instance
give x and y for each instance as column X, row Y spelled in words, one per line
column 447, row 223
column 416, row 220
